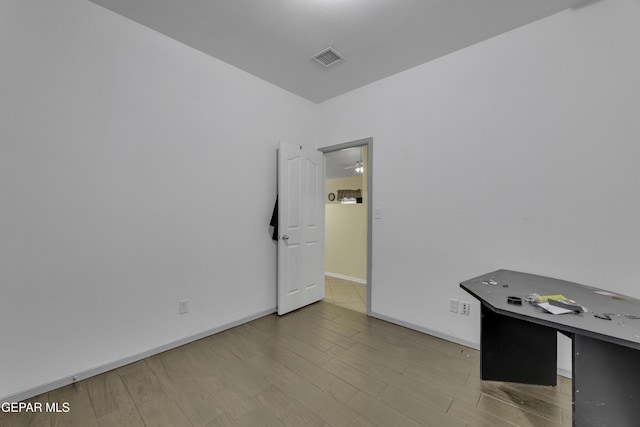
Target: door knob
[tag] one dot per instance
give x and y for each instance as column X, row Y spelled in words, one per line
column 285, row 237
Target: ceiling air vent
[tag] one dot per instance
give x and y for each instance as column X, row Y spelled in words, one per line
column 328, row 57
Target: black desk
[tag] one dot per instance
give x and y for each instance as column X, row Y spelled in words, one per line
column 518, row 344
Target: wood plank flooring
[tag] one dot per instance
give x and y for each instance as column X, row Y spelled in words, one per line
column 322, row 366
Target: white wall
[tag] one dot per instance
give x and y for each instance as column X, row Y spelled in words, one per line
column 520, row 152
column 120, row 192
column 134, row 172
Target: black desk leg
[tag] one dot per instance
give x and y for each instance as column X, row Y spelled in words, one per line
column 517, row 351
column 606, row 384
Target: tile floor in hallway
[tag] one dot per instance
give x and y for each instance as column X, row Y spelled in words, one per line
column 347, row 294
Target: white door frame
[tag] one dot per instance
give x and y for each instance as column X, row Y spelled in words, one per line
column 359, row 143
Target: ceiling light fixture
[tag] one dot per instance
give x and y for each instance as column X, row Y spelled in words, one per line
column 359, row 167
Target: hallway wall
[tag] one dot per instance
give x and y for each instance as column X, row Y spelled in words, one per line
column 346, row 232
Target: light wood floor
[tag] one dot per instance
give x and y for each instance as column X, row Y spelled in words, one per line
column 321, row 366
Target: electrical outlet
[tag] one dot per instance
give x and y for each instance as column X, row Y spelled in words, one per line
column 464, row 308
column 453, row 305
column 183, row 306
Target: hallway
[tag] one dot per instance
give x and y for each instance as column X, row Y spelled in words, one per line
column 345, row 293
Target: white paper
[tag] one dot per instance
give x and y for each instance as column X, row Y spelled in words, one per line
column 553, row 309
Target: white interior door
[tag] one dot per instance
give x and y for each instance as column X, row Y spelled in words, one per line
column 300, row 227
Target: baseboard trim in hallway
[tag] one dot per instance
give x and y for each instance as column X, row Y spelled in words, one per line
column 344, row 277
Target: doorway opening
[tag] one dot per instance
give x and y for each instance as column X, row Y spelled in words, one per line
column 348, row 214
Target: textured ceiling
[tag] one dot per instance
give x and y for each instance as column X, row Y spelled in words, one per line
column 275, row 39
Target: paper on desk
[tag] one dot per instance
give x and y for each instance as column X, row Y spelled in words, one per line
column 553, row 297
column 554, row 309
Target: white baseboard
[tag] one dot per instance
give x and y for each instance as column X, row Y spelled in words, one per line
column 437, row 334
column 451, row 338
column 35, row 391
column 344, row 277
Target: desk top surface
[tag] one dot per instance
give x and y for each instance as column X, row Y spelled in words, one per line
column 620, row 330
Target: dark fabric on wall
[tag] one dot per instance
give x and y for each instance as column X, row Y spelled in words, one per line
column 274, row 221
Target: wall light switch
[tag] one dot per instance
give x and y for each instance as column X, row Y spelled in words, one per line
column 377, row 213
